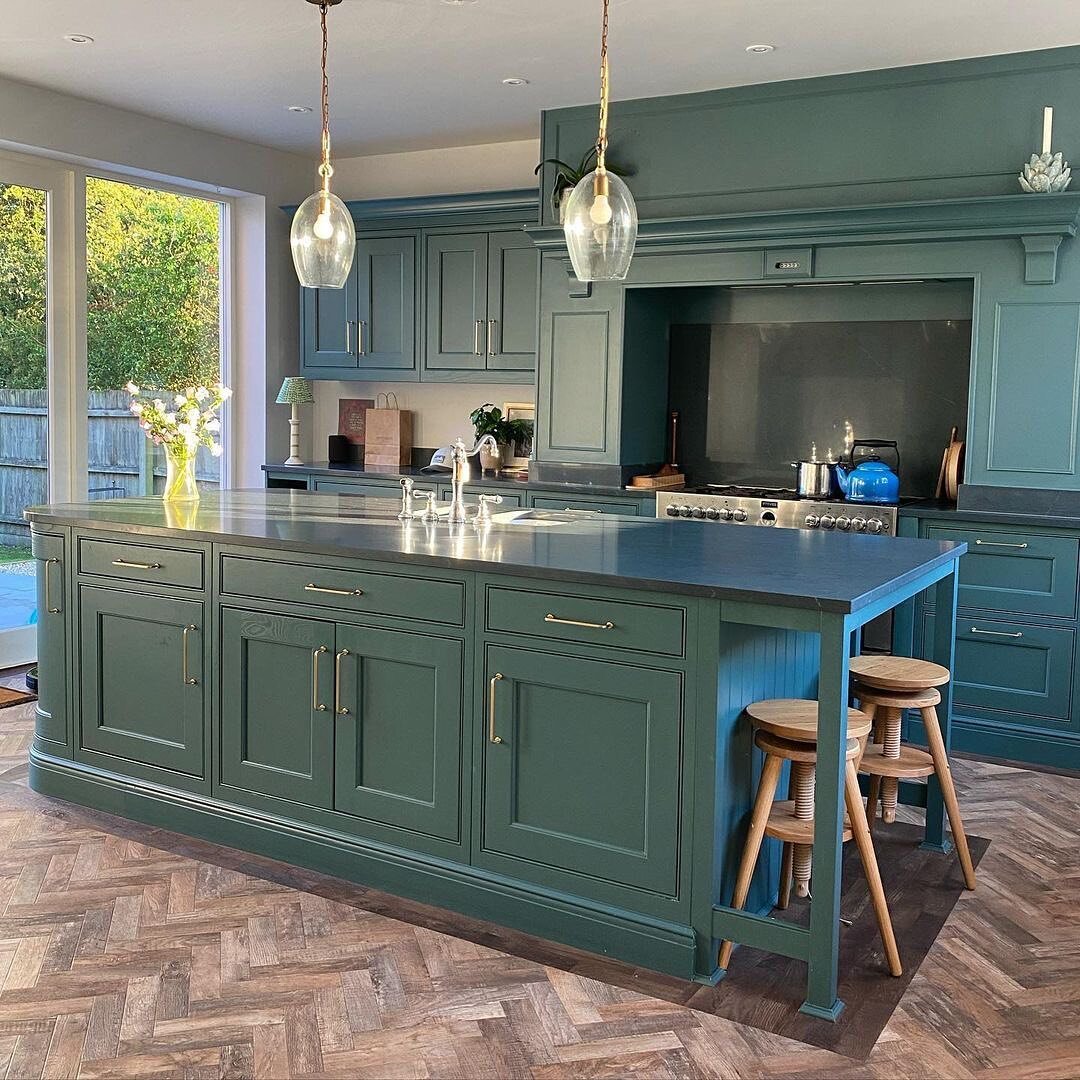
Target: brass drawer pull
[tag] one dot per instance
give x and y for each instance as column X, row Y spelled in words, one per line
column 312, row 587
column 348, row 336
column 996, row 633
column 997, row 543
column 315, row 654
column 48, row 588
column 361, row 348
column 477, row 348
column 340, row 709
column 571, row 510
column 492, row 737
column 491, row 337
column 189, row 679
column 137, row 565
column 575, row 622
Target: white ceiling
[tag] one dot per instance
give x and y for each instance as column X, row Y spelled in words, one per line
column 414, row 74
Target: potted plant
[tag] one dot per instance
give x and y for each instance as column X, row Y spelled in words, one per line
column 489, row 420
column 567, row 177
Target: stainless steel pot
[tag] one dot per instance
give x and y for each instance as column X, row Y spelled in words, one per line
column 813, row 479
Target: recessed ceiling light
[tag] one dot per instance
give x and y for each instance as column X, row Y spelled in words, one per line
column 760, row 48
column 459, row 3
column 298, row 108
column 79, row 39
column 515, row 80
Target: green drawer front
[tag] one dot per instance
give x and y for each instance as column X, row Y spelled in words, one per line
column 432, row 600
column 1013, row 668
column 45, row 546
column 1010, row 569
column 598, row 506
column 510, row 499
column 145, row 563
column 644, row 627
column 372, row 489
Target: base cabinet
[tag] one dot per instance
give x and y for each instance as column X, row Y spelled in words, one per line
column 581, row 768
column 143, row 696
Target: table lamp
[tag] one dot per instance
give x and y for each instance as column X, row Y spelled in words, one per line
column 295, row 392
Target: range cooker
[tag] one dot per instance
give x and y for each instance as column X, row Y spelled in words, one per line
column 778, row 507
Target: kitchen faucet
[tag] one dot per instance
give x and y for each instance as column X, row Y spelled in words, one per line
column 460, row 474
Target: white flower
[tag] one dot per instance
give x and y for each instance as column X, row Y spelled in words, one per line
column 179, row 399
column 215, row 449
column 213, row 424
column 193, row 414
column 190, row 391
column 201, row 393
column 159, row 404
column 170, row 418
column 131, row 388
column 136, row 408
column 224, row 392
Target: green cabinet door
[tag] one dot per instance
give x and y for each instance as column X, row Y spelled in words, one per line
column 386, row 304
column 581, row 768
column 456, row 276
column 142, row 677
column 277, row 720
column 513, row 277
column 328, row 329
column 399, row 714
column 52, row 720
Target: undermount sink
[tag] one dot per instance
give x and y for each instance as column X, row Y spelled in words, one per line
column 540, row 518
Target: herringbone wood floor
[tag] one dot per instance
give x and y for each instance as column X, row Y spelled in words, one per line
column 119, row 958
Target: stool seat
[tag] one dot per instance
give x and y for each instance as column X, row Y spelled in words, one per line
column 790, row 750
column 797, row 718
column 895, row 699
column 912, row 762
column 898, row 672
column 784, row 825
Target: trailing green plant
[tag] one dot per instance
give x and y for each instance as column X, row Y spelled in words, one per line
column 567, row 177
column 489, row 420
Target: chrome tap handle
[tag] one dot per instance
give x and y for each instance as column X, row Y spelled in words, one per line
column 483, row 513
column 430, row 513
column 406, row 499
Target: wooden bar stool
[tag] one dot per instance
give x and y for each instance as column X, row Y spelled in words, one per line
column 885, row 686
column 786, row 730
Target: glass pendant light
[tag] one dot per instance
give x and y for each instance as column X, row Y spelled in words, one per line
column 323, row 235
column 601, row 220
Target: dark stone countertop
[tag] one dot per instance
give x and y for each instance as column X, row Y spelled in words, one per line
column 787, row 567
column 325, row 470
column 940, row 511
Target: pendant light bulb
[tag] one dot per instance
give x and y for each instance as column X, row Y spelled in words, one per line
column 323, row 227
column 600, row 211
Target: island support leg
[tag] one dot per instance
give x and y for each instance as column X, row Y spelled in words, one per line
column 944, row 653
column 821, row 1000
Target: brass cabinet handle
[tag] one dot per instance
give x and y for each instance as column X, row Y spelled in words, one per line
column 492, row 737
column 491, row 337
column 996, row 543
column 315, row 654
column 571, row 510
column 189, row 679
column 996, row 633
column 476, row 338
column 137, row 565
column 312, row 587
column 575, row 622
column 348, row 336
column 361, row 349
column 48, row 588
column 340, row 709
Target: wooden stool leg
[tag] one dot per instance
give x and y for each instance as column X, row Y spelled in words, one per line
column 860, row 831
column 784, row 896
column 948, row 792
column 802, row 860
column 891, row 749
column 872, row 801
column 770, row 777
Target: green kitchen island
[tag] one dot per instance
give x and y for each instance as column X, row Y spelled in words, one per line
column 537, row 721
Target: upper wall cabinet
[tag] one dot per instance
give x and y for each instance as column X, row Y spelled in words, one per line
column 480, row 306
column 368, row 329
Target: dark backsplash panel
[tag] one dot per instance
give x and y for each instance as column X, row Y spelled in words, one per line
column 759, row 375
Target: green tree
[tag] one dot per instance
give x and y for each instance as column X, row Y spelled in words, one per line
column 152, row 280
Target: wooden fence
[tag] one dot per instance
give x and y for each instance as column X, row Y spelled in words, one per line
column 122, row 461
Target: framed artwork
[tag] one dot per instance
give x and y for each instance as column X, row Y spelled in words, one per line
column 521, row 410
column 351, row 418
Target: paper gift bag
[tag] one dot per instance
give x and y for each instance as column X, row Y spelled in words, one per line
column 388, row 433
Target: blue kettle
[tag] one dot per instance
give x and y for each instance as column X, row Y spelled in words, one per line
column 869, row 480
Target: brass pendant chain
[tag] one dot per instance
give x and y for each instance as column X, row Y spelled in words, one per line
column 325, row 169
column 601, row 141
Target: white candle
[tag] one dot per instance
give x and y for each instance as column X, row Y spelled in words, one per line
column 1048, row 128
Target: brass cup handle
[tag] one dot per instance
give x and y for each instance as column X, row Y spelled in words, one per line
column 340, row 709
column 492, row 737
column 995, row 543
column 549, row 618
column 477, row 347
column 189, row 679
column 137, row 565
column 48, row 588
column 315, row 654
column 996, row 633
column 312, row 587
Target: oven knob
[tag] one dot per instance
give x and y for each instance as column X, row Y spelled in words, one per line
column 858, row 524
column 811, row 521
column 685, row 511
column 725, row 514
column 672, row 510
column 697, row 512
column 843, row 523
column 740, row 515
column 875, row 526
column 712, row 514
column 827, row 521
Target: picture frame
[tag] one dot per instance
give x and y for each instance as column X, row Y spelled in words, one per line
column 522, row 452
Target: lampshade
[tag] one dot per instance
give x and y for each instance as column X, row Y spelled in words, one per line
column 295, row 391
column 601, row 226
column 323, row 240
